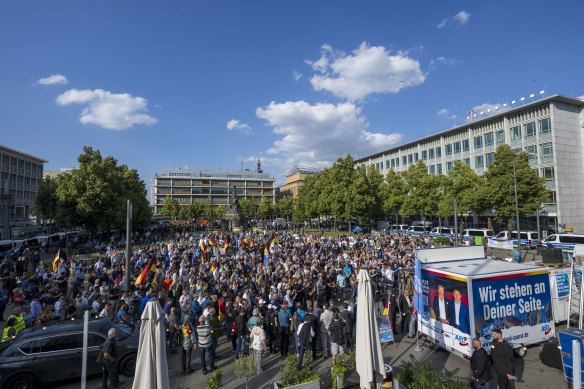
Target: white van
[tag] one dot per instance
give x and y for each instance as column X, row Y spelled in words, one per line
column 564, row 241
column 528, row 238
column 417, row 230
column 442, row 231
column 470, row 233
column 399, row 227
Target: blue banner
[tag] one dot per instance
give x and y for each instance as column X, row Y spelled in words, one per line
column 384, row 328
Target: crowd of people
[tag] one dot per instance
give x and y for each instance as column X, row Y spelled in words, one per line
column 262, row 292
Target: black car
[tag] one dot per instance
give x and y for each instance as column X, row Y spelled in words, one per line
column 53, row 353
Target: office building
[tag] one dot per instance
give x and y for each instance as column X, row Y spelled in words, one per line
column 20, row 174
column 550, row 129
column 295, row 179
column 198, row 185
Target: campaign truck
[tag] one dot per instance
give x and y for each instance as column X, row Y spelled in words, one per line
column 466, row 296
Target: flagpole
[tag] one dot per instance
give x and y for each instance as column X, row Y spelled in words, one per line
column 128, row 247
column 418, row 299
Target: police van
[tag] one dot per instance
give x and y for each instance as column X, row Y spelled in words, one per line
column 564, row 241
column 471, row 233
column 442, row 231
column 528, row 238
column 416, row 230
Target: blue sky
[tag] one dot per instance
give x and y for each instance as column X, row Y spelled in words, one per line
column 206, row 84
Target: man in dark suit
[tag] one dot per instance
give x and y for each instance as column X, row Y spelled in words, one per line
column 441, row 309
column 459, row 314
column 391, row 306
column 405, row 306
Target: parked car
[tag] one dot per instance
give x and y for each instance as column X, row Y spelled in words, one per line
column 41, row 355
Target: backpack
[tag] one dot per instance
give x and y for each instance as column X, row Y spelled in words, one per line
column 337, row 334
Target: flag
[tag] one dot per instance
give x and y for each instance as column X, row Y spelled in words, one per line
column 418, row 298
column 250, row 243
column 265, row 255
column 142, row 277
column 203, row 247
column 186, row 330
column 225, row 244
column 166, row 260
column 213, row 267
column 386, row 310
column 56, row 261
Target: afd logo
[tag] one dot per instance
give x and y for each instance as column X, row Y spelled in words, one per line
column 461, row 340
column 546, row 329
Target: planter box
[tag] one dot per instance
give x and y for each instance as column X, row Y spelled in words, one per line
column 397, row 385
column 306, row 385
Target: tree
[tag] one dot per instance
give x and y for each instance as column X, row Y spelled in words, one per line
column 193, row 211
column 209, row 208
column 422, row 192
column 95, row 194
column 170, row 207
column 464, row 185
column 500, row 192
column 220, row 211
column 286, row 206
column 249, row 207
column 392, row 193
column 266, row 208
column 46, row 199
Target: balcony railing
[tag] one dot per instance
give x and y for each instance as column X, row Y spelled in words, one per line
column 550, row 207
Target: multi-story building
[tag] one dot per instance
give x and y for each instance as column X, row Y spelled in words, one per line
column 198, row 185
column 56, row 173
column 295, row 179
column 20, row 175
column 551, row 130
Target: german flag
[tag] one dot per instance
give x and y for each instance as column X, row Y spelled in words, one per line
column 250, row 243
column 142, row 277
column 203, row 247
column 225, row 244
column 56, row 260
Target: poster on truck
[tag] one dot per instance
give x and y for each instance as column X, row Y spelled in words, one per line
column 518, row 304
column 446, row 316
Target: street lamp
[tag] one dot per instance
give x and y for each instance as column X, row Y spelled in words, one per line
column 517, row 211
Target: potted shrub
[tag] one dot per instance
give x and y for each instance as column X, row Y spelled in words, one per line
column 214, row 380
column 341, row 366
column 245, row 368
column 294, row 378
column 417, row 376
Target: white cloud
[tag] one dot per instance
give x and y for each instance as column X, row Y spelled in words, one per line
column 445, row 61
column 445, row 113
column 316, row 135
column 53, row 79
column 442, row 23
column 462, row 17
column 114, row 111
column 297, row 76
column 234, row 124
column 369, row 69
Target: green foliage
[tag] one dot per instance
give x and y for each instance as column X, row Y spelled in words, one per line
column 214, row 380
column 95, row 194
column 290, row 375
column 442, row 240
column 170, row 207
column 46, row 198
column 392, row 193
column 422, row 191
column 245, row 367
column 531, row 189
column 421, row 376
column 342, row 364
column 220, row 211
column 266, row 208
column 249, row 207
column 286, row 206
column 209, row 209
column 464, row 185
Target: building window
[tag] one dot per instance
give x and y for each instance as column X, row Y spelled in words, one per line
column 517, row 151
column 552, row 196
column 404, row 160
column 516, row 133
column 439, row 168
column 500, row 136
column 456, row 147
column 530, row 129
column 467, row 161
column 448, row 149
column 431, row 153
column 547, row 173
column 377, row 166
column 387, row 163
column 432, row 169
column 416, row 157
column 448, row 166
column 478, row 142
column 532, row 151
column 489, row 158
column 546, row 149
column 392, row 162
column 545, row 126
column 465, row 145
column 397, row 162
column 424, row 155
column 479, row 161
column 488, row 139
column 410, row 158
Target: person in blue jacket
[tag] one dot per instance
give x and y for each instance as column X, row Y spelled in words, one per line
column 459, row 314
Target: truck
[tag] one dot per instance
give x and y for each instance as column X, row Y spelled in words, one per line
column 465, row 296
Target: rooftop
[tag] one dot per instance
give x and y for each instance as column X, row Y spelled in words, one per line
column 301, row 170
column 209, row 173
column 21, row 154
column 578, row 101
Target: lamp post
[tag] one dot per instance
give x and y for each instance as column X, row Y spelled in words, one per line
column 517, row 211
